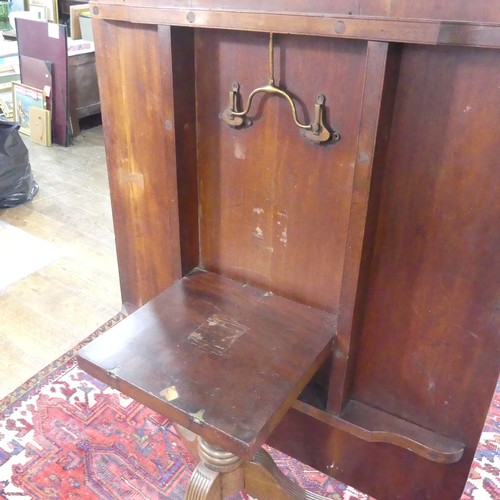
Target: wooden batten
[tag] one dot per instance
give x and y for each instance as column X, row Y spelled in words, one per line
column 420, row 31
column 380, row 81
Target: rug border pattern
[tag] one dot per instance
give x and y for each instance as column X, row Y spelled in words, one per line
column 44, row 374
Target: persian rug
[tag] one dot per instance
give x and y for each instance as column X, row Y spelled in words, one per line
column 65, row 435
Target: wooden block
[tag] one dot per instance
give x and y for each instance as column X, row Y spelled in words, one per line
column 40, row 126
column 74, row 23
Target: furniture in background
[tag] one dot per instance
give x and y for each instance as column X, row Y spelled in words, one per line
column 46, row 42
column 74, row 92
column 83, row 89
column 387, row 232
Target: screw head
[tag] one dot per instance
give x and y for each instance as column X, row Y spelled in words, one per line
column 340, row 27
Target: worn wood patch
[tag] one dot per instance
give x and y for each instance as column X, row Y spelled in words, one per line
column 217, row 334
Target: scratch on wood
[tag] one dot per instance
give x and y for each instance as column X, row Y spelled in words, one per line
column 133, row 179
column 239, row 151
column 258, row 233
column 284, row 236
column 217, row 334
column 258, row 237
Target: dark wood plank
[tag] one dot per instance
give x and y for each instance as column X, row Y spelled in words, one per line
column 140, row 153
column 218, row 357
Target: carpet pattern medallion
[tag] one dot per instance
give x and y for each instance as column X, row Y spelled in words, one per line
column 64, row 435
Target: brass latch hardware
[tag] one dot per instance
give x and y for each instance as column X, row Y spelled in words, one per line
column 316, row 131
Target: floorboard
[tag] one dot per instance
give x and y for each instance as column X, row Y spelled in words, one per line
column 58, row 270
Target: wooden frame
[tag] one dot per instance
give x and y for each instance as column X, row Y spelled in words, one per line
column 47, row 9
column 74, row 20
column 6, row 104
column 23, row 98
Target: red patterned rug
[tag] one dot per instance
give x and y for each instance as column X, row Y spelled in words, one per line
column 64, row 435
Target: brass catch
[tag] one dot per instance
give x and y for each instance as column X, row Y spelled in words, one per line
column 316, row 131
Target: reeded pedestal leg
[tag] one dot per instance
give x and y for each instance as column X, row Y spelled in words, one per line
column 217, row 476
column 265, row 481
column 221, row 473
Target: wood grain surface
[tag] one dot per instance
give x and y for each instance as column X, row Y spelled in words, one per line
column 203, row 352
column 394, row 228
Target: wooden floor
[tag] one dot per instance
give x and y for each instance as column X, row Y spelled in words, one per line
column 58, row 270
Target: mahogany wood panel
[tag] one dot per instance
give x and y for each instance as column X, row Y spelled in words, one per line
column 428, row 188
column 140, row 151
column 380, row 80
column 203, row 352
column 274, row 207
column 430, row 347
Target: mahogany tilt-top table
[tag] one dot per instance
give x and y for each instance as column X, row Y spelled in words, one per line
column 306, row 207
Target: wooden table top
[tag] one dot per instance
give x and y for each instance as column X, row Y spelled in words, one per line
column 221, row 358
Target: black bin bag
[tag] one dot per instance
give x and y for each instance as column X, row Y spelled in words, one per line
column 16, row 179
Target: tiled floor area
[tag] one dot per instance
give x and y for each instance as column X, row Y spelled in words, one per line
column 58, row 271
